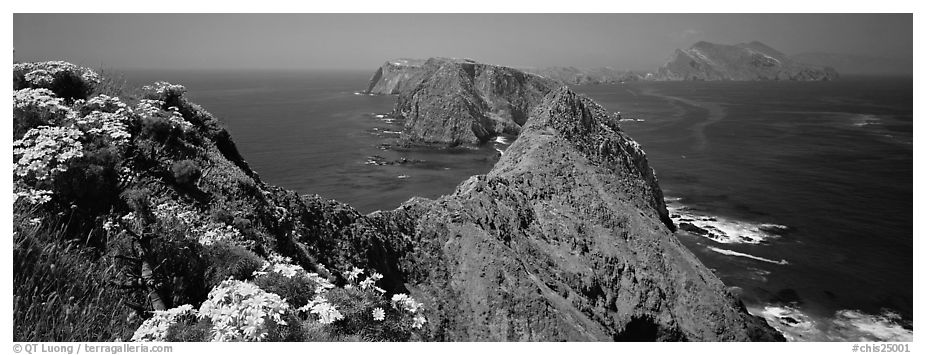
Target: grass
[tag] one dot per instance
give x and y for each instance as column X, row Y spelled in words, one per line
column 60, row 289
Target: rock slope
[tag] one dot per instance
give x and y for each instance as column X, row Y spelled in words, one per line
column 744, row 61
column 567, row 238
column 451, row 102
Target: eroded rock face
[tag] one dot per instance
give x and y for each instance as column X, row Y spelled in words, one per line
column 463, row 102
column 744, row 61
column 396, row 76
column 565, row 239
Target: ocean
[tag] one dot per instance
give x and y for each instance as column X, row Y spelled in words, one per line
column 798, row 195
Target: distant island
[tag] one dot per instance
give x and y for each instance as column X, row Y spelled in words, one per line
column 751, row 61
column 856, row 64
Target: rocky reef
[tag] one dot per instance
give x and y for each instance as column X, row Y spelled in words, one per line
column 144, row 204
column 449, row 102
column 589, row 76
column 743, row 62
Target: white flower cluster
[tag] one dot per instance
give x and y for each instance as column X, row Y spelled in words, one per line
column 152, row 108
column 402, row 302
column 41, row 101
column 34, row 196
column 206, row 233
column 164, row 89
column 44, row 151
column 112, row 125
column 284, row 266
column 327, row 313
column 104, row 103
column 42, row 74
column 241, row 311
column 155, row 328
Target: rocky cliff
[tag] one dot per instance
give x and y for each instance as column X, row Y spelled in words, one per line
column 567, row 238
column 148, row 207
column 744, row 61
column 396, row 76
column 589, row 76
column 464, row 102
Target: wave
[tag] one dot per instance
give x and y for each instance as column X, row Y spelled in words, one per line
column 503, row 140
column 721, row 229
column 750, row 256
column 862, row 120
column 844, row 325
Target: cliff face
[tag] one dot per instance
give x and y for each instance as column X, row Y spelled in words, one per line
column 744, row 61
column 464, row 102
column 591, row 76
column 566, row 239
column 396, row 76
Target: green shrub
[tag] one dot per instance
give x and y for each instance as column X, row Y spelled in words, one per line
column 230, row 261
column 186, row 172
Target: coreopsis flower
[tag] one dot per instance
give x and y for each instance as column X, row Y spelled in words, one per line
column 370, row 280
column 326, row 312
column 111, row 125
column 154, row 108
column 418, row 321
column 155, row 328
column 351, row 275
column 164, row 90
column 239, row 310
column 402, row 301
column 379, row 314
column 45, row 151
column 42, row 74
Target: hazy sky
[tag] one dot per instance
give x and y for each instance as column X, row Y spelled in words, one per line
column 364, row 41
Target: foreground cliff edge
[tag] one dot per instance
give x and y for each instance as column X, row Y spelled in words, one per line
column 142, row 204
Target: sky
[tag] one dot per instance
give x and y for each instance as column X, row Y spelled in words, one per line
column 364, row 41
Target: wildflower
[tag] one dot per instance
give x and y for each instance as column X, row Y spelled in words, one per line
column 365, row 284
column 155, row 328
column 111, row 125
column 379, row 314
column 418, row 321
column 45, row 150
column 352, row 275
column 42, row 74
column 404, row 302
column 240, row 310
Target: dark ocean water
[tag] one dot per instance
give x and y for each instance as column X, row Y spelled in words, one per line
column 802, row 192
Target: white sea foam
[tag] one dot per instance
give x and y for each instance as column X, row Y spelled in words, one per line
column 402, row 176
column 844, row 325
column 500, row 152
column 744, row 255
column 391, row 132
column 379, row 116
column 721, row 229
column 863, row 120
column 502, row 140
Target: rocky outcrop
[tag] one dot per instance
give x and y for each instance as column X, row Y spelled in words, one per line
column 590, row 76
column 565, row 239
column 744, row 61
column 396, row 76
column 464, row 102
